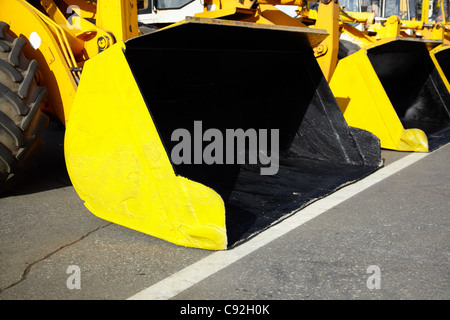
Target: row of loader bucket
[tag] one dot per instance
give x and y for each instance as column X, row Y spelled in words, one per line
column 441, row 58
column 394, row 89
column 207, row 132
column 155, row 137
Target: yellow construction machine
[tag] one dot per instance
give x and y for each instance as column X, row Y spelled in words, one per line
column 435, row 15
column 390, row 88
column 386, row 81
column 159, row 13
column 381, row 19
column 202, row 133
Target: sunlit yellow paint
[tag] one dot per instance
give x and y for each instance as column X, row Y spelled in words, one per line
column 23, row 20
column 433, row 52
column 365, row 105
column 119, row 167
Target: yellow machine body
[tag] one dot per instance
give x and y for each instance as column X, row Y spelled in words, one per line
column 119, row 166
column 367, row 94
column 441, row 58
column 390, row 84
column 120, row 161
column 365, row 104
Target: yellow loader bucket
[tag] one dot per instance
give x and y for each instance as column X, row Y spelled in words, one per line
column 441, row 58
column 393, row 90
column 177, row 94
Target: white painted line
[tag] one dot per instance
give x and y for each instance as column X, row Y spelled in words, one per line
column 189, row 276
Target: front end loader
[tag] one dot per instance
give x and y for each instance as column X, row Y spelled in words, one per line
column 435, row 15
column 387, row 82
column 392, row 88
column 203, row 133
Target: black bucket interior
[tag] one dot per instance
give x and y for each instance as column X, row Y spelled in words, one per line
column 443, row 58
column 236, row 77
column 414, row 87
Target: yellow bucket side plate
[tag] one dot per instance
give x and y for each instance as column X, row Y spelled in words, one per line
column 433, row 53
column 365, row 105
column 119, row 167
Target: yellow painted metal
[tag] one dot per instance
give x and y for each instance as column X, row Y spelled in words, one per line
column 283, row 2
column 440, row 31
column 278, row 17
column 394, row 26
column 83, row 36
column 115, row 157
column 119, row 167
column 118, row 17
column 228, row 8
column 375, row 113
column 359, row 17
column 355, row 84
column 265, row 12
column 52, row 54
column 433, row 53
column 85, row 9
column 354, row 35
column 64, row 47
column 357, row 89
column 365, row 105
column 327, row 52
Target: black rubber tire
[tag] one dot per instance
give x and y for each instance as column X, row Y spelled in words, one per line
column 21, row 120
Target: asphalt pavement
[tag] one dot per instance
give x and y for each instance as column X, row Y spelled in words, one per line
column 390, row 241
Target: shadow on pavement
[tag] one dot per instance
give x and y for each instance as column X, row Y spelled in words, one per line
column 50, row 171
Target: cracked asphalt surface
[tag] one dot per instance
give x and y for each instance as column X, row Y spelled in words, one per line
column 401, row 224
